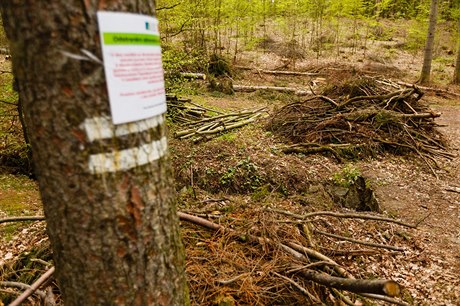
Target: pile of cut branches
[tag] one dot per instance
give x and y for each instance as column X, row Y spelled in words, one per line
column 282, row 258
column 182, row 110
column 360, row 118
column 269, row 256
column 201, row 123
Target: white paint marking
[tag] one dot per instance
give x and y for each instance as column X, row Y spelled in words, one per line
column 128, row 158
column 98, row 128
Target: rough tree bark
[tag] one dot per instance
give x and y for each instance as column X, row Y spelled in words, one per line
column 114, row 234
column 428, row 51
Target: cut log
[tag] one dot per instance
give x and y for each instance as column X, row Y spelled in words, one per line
column 195, row 76
column 375, row 286
column 296, row 91
column 188, row 75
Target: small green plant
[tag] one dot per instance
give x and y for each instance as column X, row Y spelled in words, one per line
column 228, row 137
column 243, row 176
column 347, row 176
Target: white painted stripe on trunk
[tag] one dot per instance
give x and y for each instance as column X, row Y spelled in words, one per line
column 128, row 158
column 102, row 127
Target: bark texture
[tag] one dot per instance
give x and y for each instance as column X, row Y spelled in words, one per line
column 115, row 235
column 428, row 51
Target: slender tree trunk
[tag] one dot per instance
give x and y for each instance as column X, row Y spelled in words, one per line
column 456, row 79
column 114, row 234
column 428, row 52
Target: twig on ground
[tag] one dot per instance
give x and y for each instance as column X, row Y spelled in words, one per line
column 299, row 287
column 22, row 286
column 24, row 218
column 384, row 298
column 33, row 288
column 371, row 244
column 341, row 215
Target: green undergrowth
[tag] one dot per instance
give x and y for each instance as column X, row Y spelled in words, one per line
column 18, row 197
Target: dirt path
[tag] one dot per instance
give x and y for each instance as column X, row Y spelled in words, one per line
column 406, row 190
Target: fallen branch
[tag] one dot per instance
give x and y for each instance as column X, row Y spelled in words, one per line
column 193, row 76
column 278, row 72
column 300, row 288
column 22, row 286
column 436, row 90
column 453, row 189
column 384, row 298
column 375, row 286
column 341, row 215
column 29, row 291
column 371, row 244
column 21, row 219
column 296, row 91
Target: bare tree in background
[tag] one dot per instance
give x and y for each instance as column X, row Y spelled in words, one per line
column 428, row 52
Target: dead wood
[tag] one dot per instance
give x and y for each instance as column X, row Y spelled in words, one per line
column 202, row 123
column 375, row 245
column 278, row 72
column 29, row 291
column 384, row 298
column 296, row 91
column 22, row 219
column 363, row 216
column 381, row 287
column 435, row 90
column 192, row 75
column 300, row 288
column 360, row 118
column 21, row 286
column 385, row 287
column 453, row 189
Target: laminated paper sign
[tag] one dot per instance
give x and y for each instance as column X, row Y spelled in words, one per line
column 132, row 63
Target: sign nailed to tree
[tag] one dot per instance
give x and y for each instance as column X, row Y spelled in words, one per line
column 132, row 62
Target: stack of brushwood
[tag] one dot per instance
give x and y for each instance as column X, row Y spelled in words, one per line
column 182, row 110
column 201, row 123
column 360, row 118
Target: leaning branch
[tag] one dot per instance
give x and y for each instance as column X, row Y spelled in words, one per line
column 33, row 288
column 21, row 286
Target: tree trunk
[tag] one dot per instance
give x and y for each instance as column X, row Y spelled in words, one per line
column 113, row 227
column 456, row 79
column 428, row 52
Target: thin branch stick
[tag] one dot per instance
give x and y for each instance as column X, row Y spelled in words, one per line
column 22, row 286
column 43, row 262
column 384, row 298
column 299, row 287
column 341, row 215
column 310, row 252
column 371, row 244
column 234, row 279
column 315, row 264
column 18, row 301
column 213, row 226
column 25, row 218
column 344, row 298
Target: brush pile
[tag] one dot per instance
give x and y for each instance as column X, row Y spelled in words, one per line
column 360, row 118
column 201, row 123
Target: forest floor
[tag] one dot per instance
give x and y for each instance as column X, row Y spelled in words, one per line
column 236, row 178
